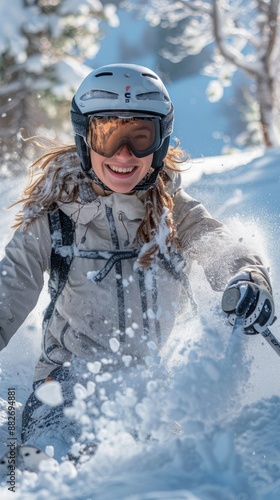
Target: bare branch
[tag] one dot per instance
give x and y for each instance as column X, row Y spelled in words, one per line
column 263, row 6
column 200, row 7
column 228, row 52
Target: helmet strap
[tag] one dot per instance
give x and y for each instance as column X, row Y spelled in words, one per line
column 160, row 154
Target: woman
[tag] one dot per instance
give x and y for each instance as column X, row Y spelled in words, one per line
column 119, row 272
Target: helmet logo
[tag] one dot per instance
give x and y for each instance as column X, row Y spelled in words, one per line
column 127, row 94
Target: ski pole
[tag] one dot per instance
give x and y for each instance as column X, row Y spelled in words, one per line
column 236, row 336
column 267, row 334
column 273, row 342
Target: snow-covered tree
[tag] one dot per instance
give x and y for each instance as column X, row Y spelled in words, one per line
column 43, row 45
column 244, row 35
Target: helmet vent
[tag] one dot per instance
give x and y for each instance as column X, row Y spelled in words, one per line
column 149, row 75
column 99, row 94
column 104, row 73
column 152, row 96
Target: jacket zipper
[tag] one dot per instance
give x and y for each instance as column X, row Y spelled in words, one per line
column 119, row 273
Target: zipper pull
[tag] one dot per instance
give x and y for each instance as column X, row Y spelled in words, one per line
column 120, row 217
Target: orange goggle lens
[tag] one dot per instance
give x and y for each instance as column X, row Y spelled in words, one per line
column 106, row 134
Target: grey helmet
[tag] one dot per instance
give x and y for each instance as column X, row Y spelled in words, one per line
column 122, row 88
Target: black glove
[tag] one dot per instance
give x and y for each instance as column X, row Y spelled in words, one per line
column 250, row 296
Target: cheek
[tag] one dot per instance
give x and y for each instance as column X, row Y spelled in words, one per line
column 148, row 162
column 96, row 160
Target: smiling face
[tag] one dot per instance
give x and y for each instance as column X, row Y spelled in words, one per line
column 122, row 172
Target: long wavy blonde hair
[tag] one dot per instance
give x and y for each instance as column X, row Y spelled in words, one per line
column 51, row 179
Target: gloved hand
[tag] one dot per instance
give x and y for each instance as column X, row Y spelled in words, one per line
column 250, row 296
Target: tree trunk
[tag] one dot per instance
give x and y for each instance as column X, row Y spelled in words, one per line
column 265, row 99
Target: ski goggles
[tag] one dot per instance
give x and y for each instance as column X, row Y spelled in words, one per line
column 106, row 134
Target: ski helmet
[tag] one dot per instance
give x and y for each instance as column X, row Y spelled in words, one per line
column 122, row 90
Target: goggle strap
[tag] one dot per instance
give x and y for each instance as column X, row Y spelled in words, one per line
column 167, row 123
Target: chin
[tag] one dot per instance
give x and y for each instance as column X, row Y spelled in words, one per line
column 121, row 189
column 124, row 191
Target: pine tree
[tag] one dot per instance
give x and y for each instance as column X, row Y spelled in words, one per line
column 43, row 44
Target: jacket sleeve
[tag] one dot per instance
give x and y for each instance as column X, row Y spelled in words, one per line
column 26, row 258
column 211, row 244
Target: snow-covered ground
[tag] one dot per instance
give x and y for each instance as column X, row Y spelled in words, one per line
column 224, row 389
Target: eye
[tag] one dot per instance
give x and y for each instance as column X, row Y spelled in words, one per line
column 142, row 133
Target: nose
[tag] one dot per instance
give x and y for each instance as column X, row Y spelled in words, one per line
column 124, row 151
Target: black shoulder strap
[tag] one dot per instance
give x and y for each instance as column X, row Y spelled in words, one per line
column 62, row 230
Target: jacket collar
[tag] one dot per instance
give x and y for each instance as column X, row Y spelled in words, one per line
column 83, row 213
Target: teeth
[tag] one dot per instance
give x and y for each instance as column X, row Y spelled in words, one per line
column 121, row 170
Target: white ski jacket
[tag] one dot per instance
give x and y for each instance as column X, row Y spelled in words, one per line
column 116, row 318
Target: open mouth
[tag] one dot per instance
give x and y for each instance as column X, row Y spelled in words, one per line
column 121, row 170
